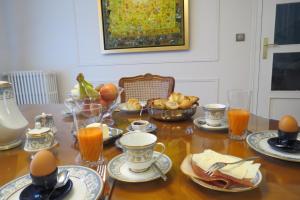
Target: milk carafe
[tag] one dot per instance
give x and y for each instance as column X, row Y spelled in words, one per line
column 12, row 122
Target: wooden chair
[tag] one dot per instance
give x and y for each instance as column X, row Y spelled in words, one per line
column 148, row 86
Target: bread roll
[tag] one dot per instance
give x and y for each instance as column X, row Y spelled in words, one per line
column 160, row 103
column 171, row 105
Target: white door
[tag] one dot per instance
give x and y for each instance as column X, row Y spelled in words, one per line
column 279, row 74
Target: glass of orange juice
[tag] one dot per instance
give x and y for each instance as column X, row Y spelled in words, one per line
column 90, row 141
column 238, row 113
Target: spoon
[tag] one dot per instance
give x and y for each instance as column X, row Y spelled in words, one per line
column 62, row 179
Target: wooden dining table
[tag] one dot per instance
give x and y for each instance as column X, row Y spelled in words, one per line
column 281, row 179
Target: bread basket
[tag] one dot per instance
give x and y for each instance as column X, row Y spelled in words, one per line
column 171, row 115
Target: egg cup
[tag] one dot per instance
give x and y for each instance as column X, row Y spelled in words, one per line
column 47, row 182
column 286, row 138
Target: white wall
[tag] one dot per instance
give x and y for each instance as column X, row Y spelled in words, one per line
column 4, row 60
column 46, row 35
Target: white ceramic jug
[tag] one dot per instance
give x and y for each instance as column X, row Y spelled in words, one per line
column 12, row 122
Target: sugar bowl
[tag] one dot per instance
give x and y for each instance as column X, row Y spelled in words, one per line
column 39, row 138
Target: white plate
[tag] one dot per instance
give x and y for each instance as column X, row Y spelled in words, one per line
column 123, row 108
column 150, row 129
column 87, row 185
column 118, row 169
column 259, row 142
column 256, row 182
column 200, row 123
column 186, row 168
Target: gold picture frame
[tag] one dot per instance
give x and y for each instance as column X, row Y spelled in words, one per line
column 161, row 25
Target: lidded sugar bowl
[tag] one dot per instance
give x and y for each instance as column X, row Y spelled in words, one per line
column 39, row 138
column 12, row 122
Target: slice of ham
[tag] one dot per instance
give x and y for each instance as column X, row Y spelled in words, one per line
column 217, row 179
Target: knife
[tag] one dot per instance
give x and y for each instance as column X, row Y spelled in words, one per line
column 162, row 175
column 111, row 182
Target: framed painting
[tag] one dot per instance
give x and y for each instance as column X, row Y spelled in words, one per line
column 143, row 25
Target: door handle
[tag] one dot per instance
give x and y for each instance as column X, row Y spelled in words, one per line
column 266, row 46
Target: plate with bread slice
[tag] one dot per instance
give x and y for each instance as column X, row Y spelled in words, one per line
column 231, row 178
column 174, row 108
column 132, row 106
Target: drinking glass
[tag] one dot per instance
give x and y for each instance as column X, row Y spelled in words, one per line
column 238, row 113
column 90, row 141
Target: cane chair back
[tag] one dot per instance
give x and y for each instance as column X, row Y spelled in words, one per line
column 148, row 86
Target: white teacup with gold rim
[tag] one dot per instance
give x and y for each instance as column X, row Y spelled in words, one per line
column 138, row 147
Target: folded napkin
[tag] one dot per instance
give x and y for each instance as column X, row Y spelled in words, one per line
column 247, row 170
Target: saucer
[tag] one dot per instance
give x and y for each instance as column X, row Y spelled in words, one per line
column 293, row 147
column 33, row 192
column 258, row 141
column 200, row 123
column 87, row 184
column 39, row 147
column 151, row 128
column 118, row 169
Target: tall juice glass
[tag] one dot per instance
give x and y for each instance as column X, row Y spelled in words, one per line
column 90, row 145
column 238, row 113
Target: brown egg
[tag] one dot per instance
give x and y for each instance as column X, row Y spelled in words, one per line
column 43, row 163
column 288, row 124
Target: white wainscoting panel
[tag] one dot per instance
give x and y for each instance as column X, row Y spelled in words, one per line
column 284, row 106
column 206, row 89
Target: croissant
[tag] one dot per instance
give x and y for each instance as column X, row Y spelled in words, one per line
column 133, row 104
column 176, row 97
column 160, row 103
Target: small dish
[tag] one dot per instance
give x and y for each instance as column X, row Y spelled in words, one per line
column 291, row 147
column 33, row 192
column 150, row 129
column 118, row 169
column 259, row 142
column 200, row 123
column 114, row 133
column 87, row 184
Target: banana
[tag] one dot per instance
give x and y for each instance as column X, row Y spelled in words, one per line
column 86, row 89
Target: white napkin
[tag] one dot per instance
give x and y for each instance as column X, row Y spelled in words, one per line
column 242, row 170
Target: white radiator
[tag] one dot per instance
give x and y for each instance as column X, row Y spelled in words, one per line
column 34, row 87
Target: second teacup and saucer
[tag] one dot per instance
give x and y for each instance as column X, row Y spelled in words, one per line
column 214, row 119
column 142, row 125
column 135, row 164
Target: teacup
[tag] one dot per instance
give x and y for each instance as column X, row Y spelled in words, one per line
column 214, row 114
column 138, row 148
column 140, row 125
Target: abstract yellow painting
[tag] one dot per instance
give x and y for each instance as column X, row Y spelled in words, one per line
column 143, row 25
